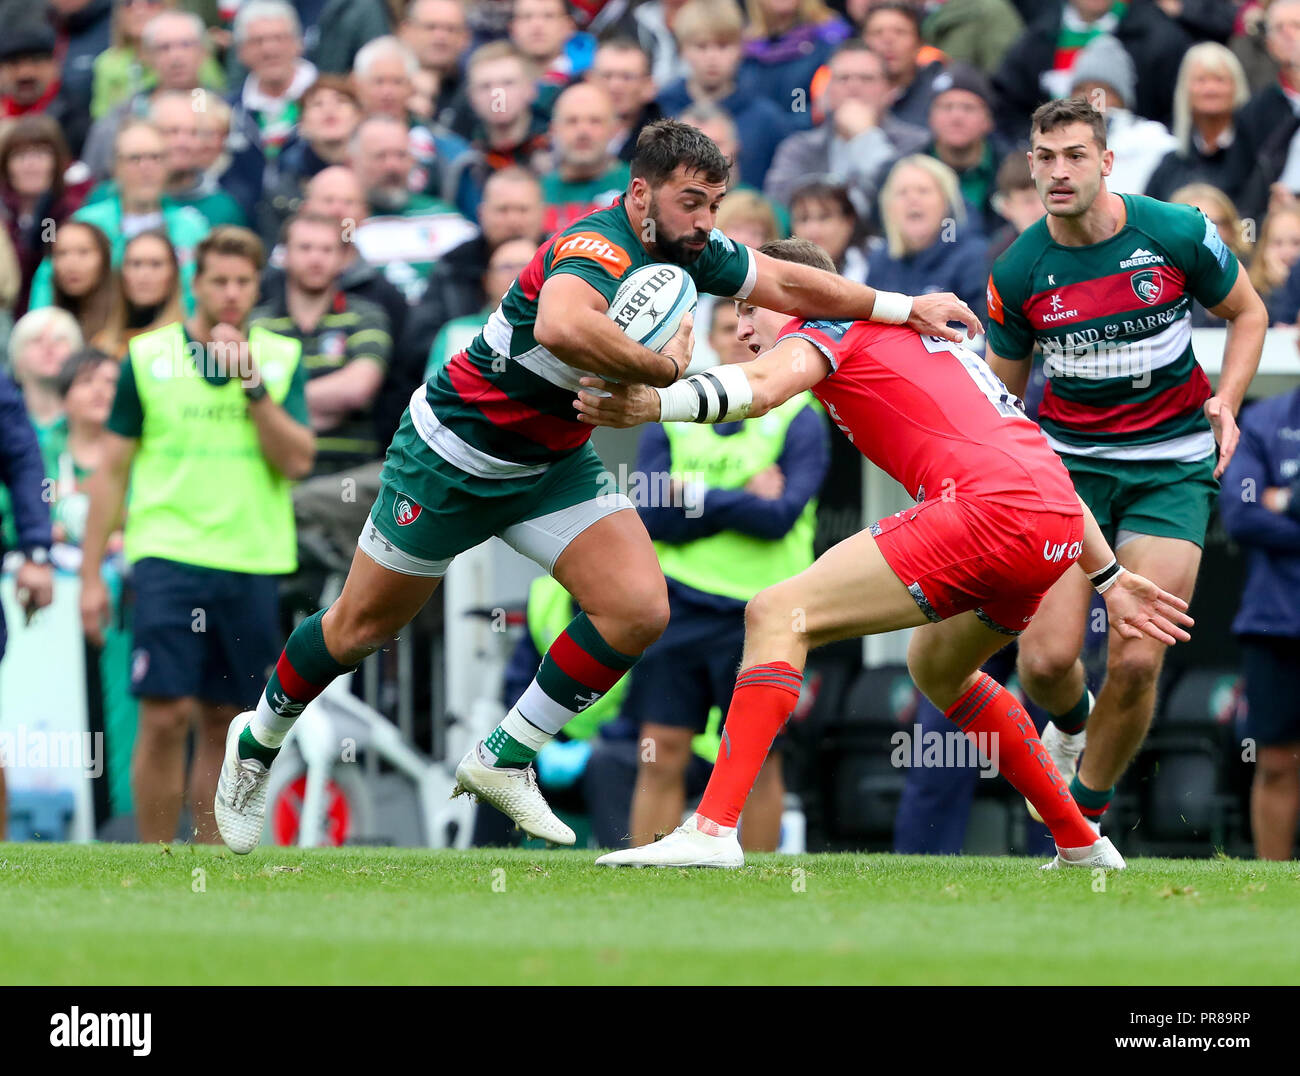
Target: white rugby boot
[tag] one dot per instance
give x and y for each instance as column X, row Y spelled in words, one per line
column 514, row 793
column 1101, row 853
column 686, row 846
column 240, row 803
column 1064, row 750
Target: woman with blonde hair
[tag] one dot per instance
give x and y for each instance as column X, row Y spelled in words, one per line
column 787, row 41
column 927, row 244
column 1276, row 250
column 1211, row 87
column 148, row 293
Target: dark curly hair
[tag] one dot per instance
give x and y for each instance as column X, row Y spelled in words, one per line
column 665, row 144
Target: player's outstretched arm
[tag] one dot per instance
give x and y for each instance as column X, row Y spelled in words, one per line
column 573, row 325
column 722, row 394
column 1135, row 605
column 1247, row 318
column 807, row 292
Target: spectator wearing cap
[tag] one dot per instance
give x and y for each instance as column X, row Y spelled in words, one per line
column 1104, row 74
column 83, row 30
column 858, row 138
column 585, row 175
column 30, row 76
column 892, row 29
column 438, row 33
column 621, row 67
column 1039, row 66
column 962, row 135
column 974, row 32
column 787, row 41
column 1211, row 87
column 383, row 75
column 710, row 35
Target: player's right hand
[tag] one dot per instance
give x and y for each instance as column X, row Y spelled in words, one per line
column 1137, row 607
column 606, row 403
column 682, row 345
column 95, row 607
column 932, row 313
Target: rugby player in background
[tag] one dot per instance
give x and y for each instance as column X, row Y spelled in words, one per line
column 1104, row 284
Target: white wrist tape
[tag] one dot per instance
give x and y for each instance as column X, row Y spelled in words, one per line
column 718, row 395
column 1104, row 578
column 891, row 308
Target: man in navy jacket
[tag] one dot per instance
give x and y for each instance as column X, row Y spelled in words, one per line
column 23, row 474
column 1260, row 507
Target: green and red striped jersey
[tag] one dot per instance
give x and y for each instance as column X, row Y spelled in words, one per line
column 503, row 408
column 1114, row 322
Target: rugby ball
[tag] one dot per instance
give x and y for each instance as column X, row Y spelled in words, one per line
column 651, row 302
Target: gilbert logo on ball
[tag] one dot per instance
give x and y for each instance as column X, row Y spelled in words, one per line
column 406, row 511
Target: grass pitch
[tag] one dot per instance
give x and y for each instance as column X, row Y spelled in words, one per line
column 114, row 914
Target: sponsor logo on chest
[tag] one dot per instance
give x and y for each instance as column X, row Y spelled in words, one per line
column 1141, row 257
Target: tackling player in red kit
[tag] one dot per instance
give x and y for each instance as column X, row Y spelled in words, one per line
column 996, row 524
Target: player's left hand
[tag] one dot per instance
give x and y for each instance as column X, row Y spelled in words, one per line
column 607, row 403
column 1224, row 425
column 931, row 314
column 1137, row 607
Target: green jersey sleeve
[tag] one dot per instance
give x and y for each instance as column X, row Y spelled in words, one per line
column 1210, row 266
column 1010, row 335
column 126, row 419
column 724, row 268
column 295, row 400
column 590, row 256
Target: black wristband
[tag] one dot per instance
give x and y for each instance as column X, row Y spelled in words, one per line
column 256, row 391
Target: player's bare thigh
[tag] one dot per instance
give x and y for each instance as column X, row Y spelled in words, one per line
column 375, row 605
column 1053, row 641
column 944, row 659
column 613, row 573
column 849, row 591
column 1171, row 563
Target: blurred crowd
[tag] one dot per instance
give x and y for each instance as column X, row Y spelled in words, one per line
column 450, row 138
